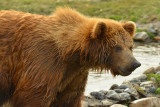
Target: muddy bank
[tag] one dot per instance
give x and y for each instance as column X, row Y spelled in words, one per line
column 147, row 54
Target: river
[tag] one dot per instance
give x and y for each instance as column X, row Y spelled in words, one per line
column 147, row 54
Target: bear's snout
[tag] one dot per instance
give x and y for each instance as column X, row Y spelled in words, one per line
column 130, row 68
column 136, row 64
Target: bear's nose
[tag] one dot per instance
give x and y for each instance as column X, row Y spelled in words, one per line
column 136, row 64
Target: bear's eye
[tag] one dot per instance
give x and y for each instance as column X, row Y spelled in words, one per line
column 131, row 48
column 118, row 48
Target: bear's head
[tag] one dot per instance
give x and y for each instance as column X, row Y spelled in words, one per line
column 109, row 46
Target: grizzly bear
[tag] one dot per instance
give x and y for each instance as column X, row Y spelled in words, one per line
column 44, row 60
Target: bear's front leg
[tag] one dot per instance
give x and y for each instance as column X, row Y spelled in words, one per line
column 33, row 94
column 5, row 87
column 29, row 97
column 73, row 93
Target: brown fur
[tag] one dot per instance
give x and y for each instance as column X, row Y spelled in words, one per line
column 44, row 60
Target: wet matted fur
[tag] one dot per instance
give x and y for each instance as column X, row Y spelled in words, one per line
column 44, row 60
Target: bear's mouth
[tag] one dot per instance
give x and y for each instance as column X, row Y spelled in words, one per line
column 124, row 72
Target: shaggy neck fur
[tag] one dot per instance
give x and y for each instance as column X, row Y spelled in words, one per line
column 67, row 22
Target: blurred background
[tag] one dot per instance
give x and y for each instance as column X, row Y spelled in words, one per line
column 142, row 11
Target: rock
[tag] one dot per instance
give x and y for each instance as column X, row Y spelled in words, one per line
column 107, row 103
column 158, row 73
column 153, row 79
column 128, row 90
column 95, row 104
column 141, row 36
column 152, row 89
column 92, row 102
column 124, row 96
column 113, row 95
column 146, row 102
column 111, row 92
column 123, row 86
column 149, row 71
column 113, row 101
column 147, row 84
column 152, row 30
column 103, row 91
column 118, row 90
column 84, row 104
column 157, row 69
column 156, row 38
column 118, row 105
column 98, row 95
column 142, row 78
column 134, row 80
column 114, row 86
column 134, row 94
column 143, row 88
column 141, row 92
column 90, row 96
column 149, row 87
column 150, row 27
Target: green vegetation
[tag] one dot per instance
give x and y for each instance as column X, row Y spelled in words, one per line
column 139, row 89
column 157, row 91
column 139, row 30
column 136, row 10
column 127, row 103
column 157, row 78
column 149, row 33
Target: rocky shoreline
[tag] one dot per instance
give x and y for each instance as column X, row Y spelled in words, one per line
column 149, row 32
column 129, row 93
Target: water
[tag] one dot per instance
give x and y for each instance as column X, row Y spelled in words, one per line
column 147, row 54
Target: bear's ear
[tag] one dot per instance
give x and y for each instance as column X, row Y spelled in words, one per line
column 129, row 27
column 99, row 30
